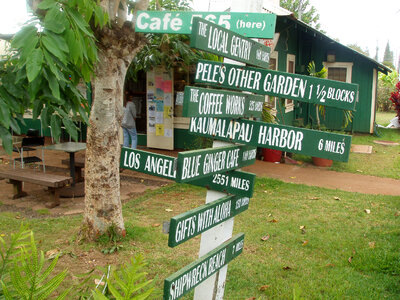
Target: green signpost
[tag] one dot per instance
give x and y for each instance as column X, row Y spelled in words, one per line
column 193, row 222
column 205, row 162
column 280, row 84
column 222, row 104
column 223, row 42
column 181, row 282
column 255, row 25
column 266, row 135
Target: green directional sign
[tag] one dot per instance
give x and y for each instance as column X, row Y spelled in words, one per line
column 181, row 282
column 147, row 162
column 193, row 222
column 206, row 162
column 255, row 25
column 237, row 183
column 233, row 182
column 286, row 138
column 220, row 103
column 280, row 84
column 216, row 39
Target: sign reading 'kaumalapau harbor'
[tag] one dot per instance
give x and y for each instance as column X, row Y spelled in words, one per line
column 232, row 182
column 216, row 39
column 286, row 138
column 181, row 282
column 254, row 25
column 220, row 103
column 193, row 222
column 200, row 163
column 280, row 84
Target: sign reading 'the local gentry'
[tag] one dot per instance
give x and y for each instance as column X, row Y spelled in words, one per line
column 219, row 103
column 216, row 39
column 181, row 282
column 200, row 163
column 286, row 138
column 280, row 84
column 255, row 25
column 193, row 222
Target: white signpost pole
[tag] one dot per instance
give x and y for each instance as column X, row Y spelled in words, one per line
column 213, row 287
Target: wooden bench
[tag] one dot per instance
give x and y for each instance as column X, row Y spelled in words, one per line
column 52, row 181
column 79, row 165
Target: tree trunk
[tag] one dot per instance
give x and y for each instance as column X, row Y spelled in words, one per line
column 102, row 182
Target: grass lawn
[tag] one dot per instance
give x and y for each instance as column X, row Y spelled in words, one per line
column 321, row 244
column 384, row 161
column 383, row 118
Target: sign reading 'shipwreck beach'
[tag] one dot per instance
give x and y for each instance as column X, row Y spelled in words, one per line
column 286, row 138
column 215, row 39
column 280, row 84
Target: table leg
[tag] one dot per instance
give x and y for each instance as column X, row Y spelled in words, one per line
column 72, row 167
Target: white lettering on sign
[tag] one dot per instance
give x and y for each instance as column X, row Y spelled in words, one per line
column 191, row 167
column 208, row 72
column 262, row 55
column 217, row 40
column 255, row 105
column 244, row 78
column 240, row 183
column 341, row 95
column 242, row 202
column 240, row 48
column 280, row 137
column 160, row 166
column 331, row 146
column 132, row 161
column 219, row 127
column 210, row 103
column 214, row 162
column 285, row 85
column 220, row 179
column 235, row 105
column 144, row 21
column 232, row 158
column 185, row 228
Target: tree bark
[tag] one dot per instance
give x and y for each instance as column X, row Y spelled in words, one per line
column 117, row 47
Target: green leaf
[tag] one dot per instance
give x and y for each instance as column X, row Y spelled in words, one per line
column 46, row 4
column 71, row 128
column 54, row 87
column 55, row 126
column 55, row 20
column 6, row 139
column 52, row 65
column 44, row 118
column 37, row 108
column 79, row 21
column 58, row 40
column 74, row 46
column 34, row 87
column 34, row 64
column 53, row 48
column 24, row 34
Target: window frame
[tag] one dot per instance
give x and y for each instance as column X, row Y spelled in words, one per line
column 344, row 65
column 289, row 104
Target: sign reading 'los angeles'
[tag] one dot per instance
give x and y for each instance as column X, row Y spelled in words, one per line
column 181, row 282
column 280, row 84
column 219, row 103
column 193, row 222
column 255, row 25
column 217, row 40
column 286, row 138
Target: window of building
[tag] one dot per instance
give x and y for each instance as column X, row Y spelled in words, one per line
column 290, row 68
column 273, row 65
column 339, row 71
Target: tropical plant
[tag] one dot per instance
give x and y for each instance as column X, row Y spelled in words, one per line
column 395, row 98
column 23, row 273
column 386, row 84
column 320, row 109
column 128, row 282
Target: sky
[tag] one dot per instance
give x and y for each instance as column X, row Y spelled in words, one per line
column 366, row 23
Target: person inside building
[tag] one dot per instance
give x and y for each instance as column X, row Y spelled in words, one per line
column 129, row 124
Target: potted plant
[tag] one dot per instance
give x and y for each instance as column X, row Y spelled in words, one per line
column 270, row 155
column 320, row 110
